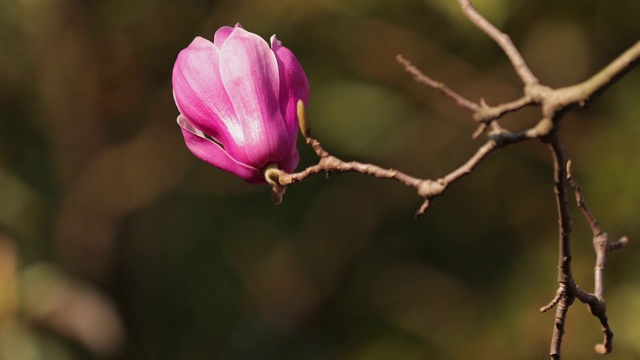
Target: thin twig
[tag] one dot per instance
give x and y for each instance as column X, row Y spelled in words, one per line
column 420, row 77
column 553, row 103
column 602, row 246
column 502, row 39
column 618, row 244
column 431, row 189
column 583, row 93
column 441, row 185
column 556, row 299
column 489, row 113
column 562, row 309
column 598, row 308
column 582, row 204
column 426, row 188
column 565, row 278
column 481, row 112
column 562, row 202
column 468, row 166
column 568, row 291
column 329, row 163
column 601, row 243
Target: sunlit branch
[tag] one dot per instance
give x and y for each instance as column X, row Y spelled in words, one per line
column 602, row 247
column 426, row 188
column 329, row 163
column 502, row 39
column 481, row 112
column 487, row 113
column 553, row 104
column 421, row 78
column 586, row 91
column 566, row 294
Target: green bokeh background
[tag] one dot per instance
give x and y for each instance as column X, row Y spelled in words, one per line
column 117, row 243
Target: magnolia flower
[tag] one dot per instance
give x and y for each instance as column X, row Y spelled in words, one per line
column 237, row 99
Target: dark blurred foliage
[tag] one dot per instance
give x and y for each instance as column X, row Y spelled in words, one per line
column 117, row 243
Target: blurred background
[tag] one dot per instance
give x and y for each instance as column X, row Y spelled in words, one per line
column 117, row 243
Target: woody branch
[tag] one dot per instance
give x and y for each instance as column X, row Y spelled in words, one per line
column 553, row 104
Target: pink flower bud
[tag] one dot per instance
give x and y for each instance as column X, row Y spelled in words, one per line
column 237, row 100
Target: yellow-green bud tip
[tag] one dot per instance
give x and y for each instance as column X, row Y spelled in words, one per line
column 305, row 129
column 272, row 174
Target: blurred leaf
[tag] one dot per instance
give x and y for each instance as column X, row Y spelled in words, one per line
column 71, row 308
column 20, row 208
column 8, row 279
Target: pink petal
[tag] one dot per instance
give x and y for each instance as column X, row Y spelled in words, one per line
column 221, row 35
column 290, row 163
column 201, row 97
column 249, row 71
column 294, row 86
column 215, row 155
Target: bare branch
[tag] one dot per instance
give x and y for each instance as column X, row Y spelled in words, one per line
column 601, row 243
column 582, row 204
column 427, row 189
column 568, row 290
column 553, row 103
column 502, row 39
column 430, row 189
column 488, row 113
column 602, row 246
column 481, row 112
column 425, row 80
column 565, row 278
column 566, row 224
column 598, row 308
column 563, row 304
column 588, row 90
column 618, row 244
column 554, row 301
column 468, row 166
column 329, row 163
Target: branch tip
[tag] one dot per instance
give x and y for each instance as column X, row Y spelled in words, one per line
column 623, row 241
column 502, row 39
column 423, row 208
column 601, row 349
column 479, row 130
column 554, row 301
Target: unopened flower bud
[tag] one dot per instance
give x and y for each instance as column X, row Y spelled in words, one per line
column 237, row 99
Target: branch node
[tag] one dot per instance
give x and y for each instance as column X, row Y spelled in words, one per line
column 430, row 189
column 543, row 128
